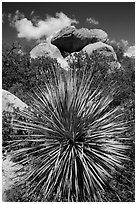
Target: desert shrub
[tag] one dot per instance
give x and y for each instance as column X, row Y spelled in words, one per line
column 103, row 72
column 78, row 140
column 61, row 105
column 119, row 49
column 8, row 133
column 20, row 74
column 7, row 129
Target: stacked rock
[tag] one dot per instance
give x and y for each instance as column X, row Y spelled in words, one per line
column 70, row 40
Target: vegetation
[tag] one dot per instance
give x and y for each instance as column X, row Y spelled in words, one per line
column 77, row 139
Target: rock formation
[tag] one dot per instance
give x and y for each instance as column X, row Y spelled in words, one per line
column 48, row 50
column 10, row 101
column 70, row 39
column 105, row 49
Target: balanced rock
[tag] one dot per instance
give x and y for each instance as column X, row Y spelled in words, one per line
column 70, row 39
column 10, row 101
column 48, row 50
column 103, row 48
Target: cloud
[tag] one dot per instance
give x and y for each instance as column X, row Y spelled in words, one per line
column 92, row 21
column 37, row 28
column 16, row 17
column 122, row 43
column 130, row 51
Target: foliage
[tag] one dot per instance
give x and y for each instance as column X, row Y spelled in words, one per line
column 7, row 129
column 60, row 100
column 119, row 50
column 20, row 74
column 76, row 139
column 102, row 70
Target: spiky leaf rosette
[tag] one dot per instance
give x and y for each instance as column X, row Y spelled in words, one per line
column 71, row 141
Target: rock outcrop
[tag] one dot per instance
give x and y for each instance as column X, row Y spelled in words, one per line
column 48, row 50
column 70, row 39
column 106, row 51
column 10, row 101
column 103, row 48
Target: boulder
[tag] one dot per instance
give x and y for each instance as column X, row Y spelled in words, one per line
column 45, row 49
column 48, row 50
column 70, row 39
column 107, row 52
column 10, row 101
column 103, row 48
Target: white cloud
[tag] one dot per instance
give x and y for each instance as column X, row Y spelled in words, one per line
column 36, row 29
column 92, row 21
column 13, row 18
column 130, row 51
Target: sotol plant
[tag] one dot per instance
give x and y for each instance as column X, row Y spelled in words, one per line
column 71, row 139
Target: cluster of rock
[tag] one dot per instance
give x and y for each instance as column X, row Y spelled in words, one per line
column 71, row 40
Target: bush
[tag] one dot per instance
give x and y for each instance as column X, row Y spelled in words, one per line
column 20, row 74
column 89, row 96
column 78, row 140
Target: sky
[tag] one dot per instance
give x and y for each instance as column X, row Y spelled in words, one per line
column 27, row 21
